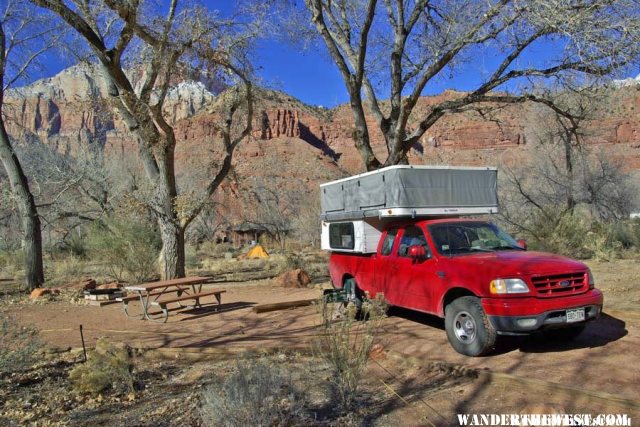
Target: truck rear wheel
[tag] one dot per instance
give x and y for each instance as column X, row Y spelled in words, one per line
column 468, row 328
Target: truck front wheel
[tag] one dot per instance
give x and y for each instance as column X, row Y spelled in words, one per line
column 468, row 328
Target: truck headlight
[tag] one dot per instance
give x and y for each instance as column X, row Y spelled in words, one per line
column 592, row 280
column 508, row 286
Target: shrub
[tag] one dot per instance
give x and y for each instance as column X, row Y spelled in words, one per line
column 12, row 260
column 18, row 345
column 76, row 244
column 579, row 236
column 563, row 235
column 70, row 268
column 108, row 367
column 292, row 261
column 129, row 247
column 218, row 250
column 346, row 345
column 258, row 393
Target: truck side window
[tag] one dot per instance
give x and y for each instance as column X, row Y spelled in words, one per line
column 387, row 245
column 412, row 236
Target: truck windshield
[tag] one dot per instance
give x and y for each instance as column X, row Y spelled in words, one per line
column 470, row 237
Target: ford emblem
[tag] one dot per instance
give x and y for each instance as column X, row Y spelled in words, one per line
column 564, row 283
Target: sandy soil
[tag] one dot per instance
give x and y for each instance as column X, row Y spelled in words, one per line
column 596, row 373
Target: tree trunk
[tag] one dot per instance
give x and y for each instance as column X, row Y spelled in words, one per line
column 171, row 231
column 31, row 228
column 172, row 257
column 361, row 133
column 568, row 160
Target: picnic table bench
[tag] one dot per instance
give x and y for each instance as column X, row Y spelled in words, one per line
column 162, row 304
column 184, row 289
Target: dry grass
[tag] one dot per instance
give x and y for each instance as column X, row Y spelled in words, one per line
column 108, row 368
column 346, row 346
column 18, row 347
column 257, row 393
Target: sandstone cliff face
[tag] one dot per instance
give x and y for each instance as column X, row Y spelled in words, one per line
column 70, row 109
column 73, row 106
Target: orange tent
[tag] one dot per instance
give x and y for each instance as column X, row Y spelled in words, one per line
column 257, row 252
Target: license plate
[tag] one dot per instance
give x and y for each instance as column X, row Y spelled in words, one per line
column 576, row 315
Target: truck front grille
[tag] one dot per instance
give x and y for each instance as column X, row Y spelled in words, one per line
column 560, row 284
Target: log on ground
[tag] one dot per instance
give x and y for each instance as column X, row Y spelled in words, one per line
column 263, row 308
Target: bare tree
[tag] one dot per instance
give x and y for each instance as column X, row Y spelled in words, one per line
column 306, row 222
column 72, row 190
column 24, row 36
column 407, row 45
column 275, row 208
column 558, row 175
column 166, row 43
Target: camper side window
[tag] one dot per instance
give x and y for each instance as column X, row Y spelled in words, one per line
column 341, row 235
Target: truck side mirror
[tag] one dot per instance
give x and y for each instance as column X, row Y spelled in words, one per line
column 522, row 243
column 417, row 252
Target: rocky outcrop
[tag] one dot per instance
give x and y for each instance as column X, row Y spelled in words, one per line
column 297, row 278
column 279, row 123
column 69, row 109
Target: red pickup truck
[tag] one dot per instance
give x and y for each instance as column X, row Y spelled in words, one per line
column 482, row 281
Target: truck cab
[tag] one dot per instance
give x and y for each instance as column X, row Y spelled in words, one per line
column 480, row 279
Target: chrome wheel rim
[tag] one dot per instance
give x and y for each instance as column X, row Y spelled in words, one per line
column 464, row 326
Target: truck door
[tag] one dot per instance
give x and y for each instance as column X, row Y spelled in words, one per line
column 409, row 280
column 384, row 262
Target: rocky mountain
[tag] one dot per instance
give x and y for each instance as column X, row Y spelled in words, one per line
column 627, row 82
column 70, row 109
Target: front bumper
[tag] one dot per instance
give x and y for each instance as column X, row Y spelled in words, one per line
column 524, row 315
column 550, row 319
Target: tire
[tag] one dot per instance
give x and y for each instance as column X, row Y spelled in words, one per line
column 356, row 296
column 468, row 328
column 565, row 334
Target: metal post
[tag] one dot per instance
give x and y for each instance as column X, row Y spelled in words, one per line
column 84, row 349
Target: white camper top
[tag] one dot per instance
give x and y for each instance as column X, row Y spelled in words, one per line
column 405, row 190
column 431, row 167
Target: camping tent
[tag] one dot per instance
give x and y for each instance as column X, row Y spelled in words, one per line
column 257, row 252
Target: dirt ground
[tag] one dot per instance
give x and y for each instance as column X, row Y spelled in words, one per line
column 419, row 379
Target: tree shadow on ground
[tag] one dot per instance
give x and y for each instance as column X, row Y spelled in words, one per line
column 416, row 316
column 598, row 333
column 415, row 391
column 212, row 309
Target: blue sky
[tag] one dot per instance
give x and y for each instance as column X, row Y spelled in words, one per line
column 311, row 77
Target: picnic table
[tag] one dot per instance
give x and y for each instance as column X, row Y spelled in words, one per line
column 161, row 294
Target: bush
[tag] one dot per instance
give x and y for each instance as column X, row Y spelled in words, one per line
column 218, row 250
column 258, row 393
column 18, row 345
column 578, row 236
column 346, row 345
column 108, row 368
column 562, row 235
column 76, row 244
column 71, row 268
column 602, row 246
column 12, row 260
column 129, row 247
column 292, row 261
